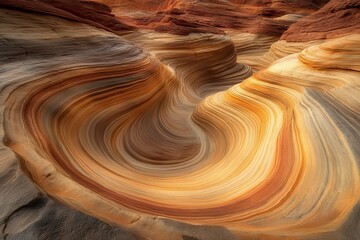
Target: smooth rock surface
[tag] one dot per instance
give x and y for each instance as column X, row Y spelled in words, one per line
column 202, row 131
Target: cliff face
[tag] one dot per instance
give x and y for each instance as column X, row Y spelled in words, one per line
column 213, row 16
column 179, row 120
column 143, row 5
column 337, row 18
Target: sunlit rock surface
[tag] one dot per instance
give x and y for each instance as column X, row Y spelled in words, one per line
column 179, row 120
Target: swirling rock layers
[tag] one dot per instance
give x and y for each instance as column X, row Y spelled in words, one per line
column 173, row 130
column 192, row 16
column 92, row 13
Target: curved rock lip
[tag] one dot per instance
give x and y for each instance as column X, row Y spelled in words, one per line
column 92, row 13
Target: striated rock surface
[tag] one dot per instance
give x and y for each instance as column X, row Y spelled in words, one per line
column 335, row 19
column 212, row 16
column 215, row 132
column 30, row 45
column 92, row 13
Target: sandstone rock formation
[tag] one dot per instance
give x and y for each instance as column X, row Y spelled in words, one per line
column 335, row 19
column 179, row 120
column 92, row 13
